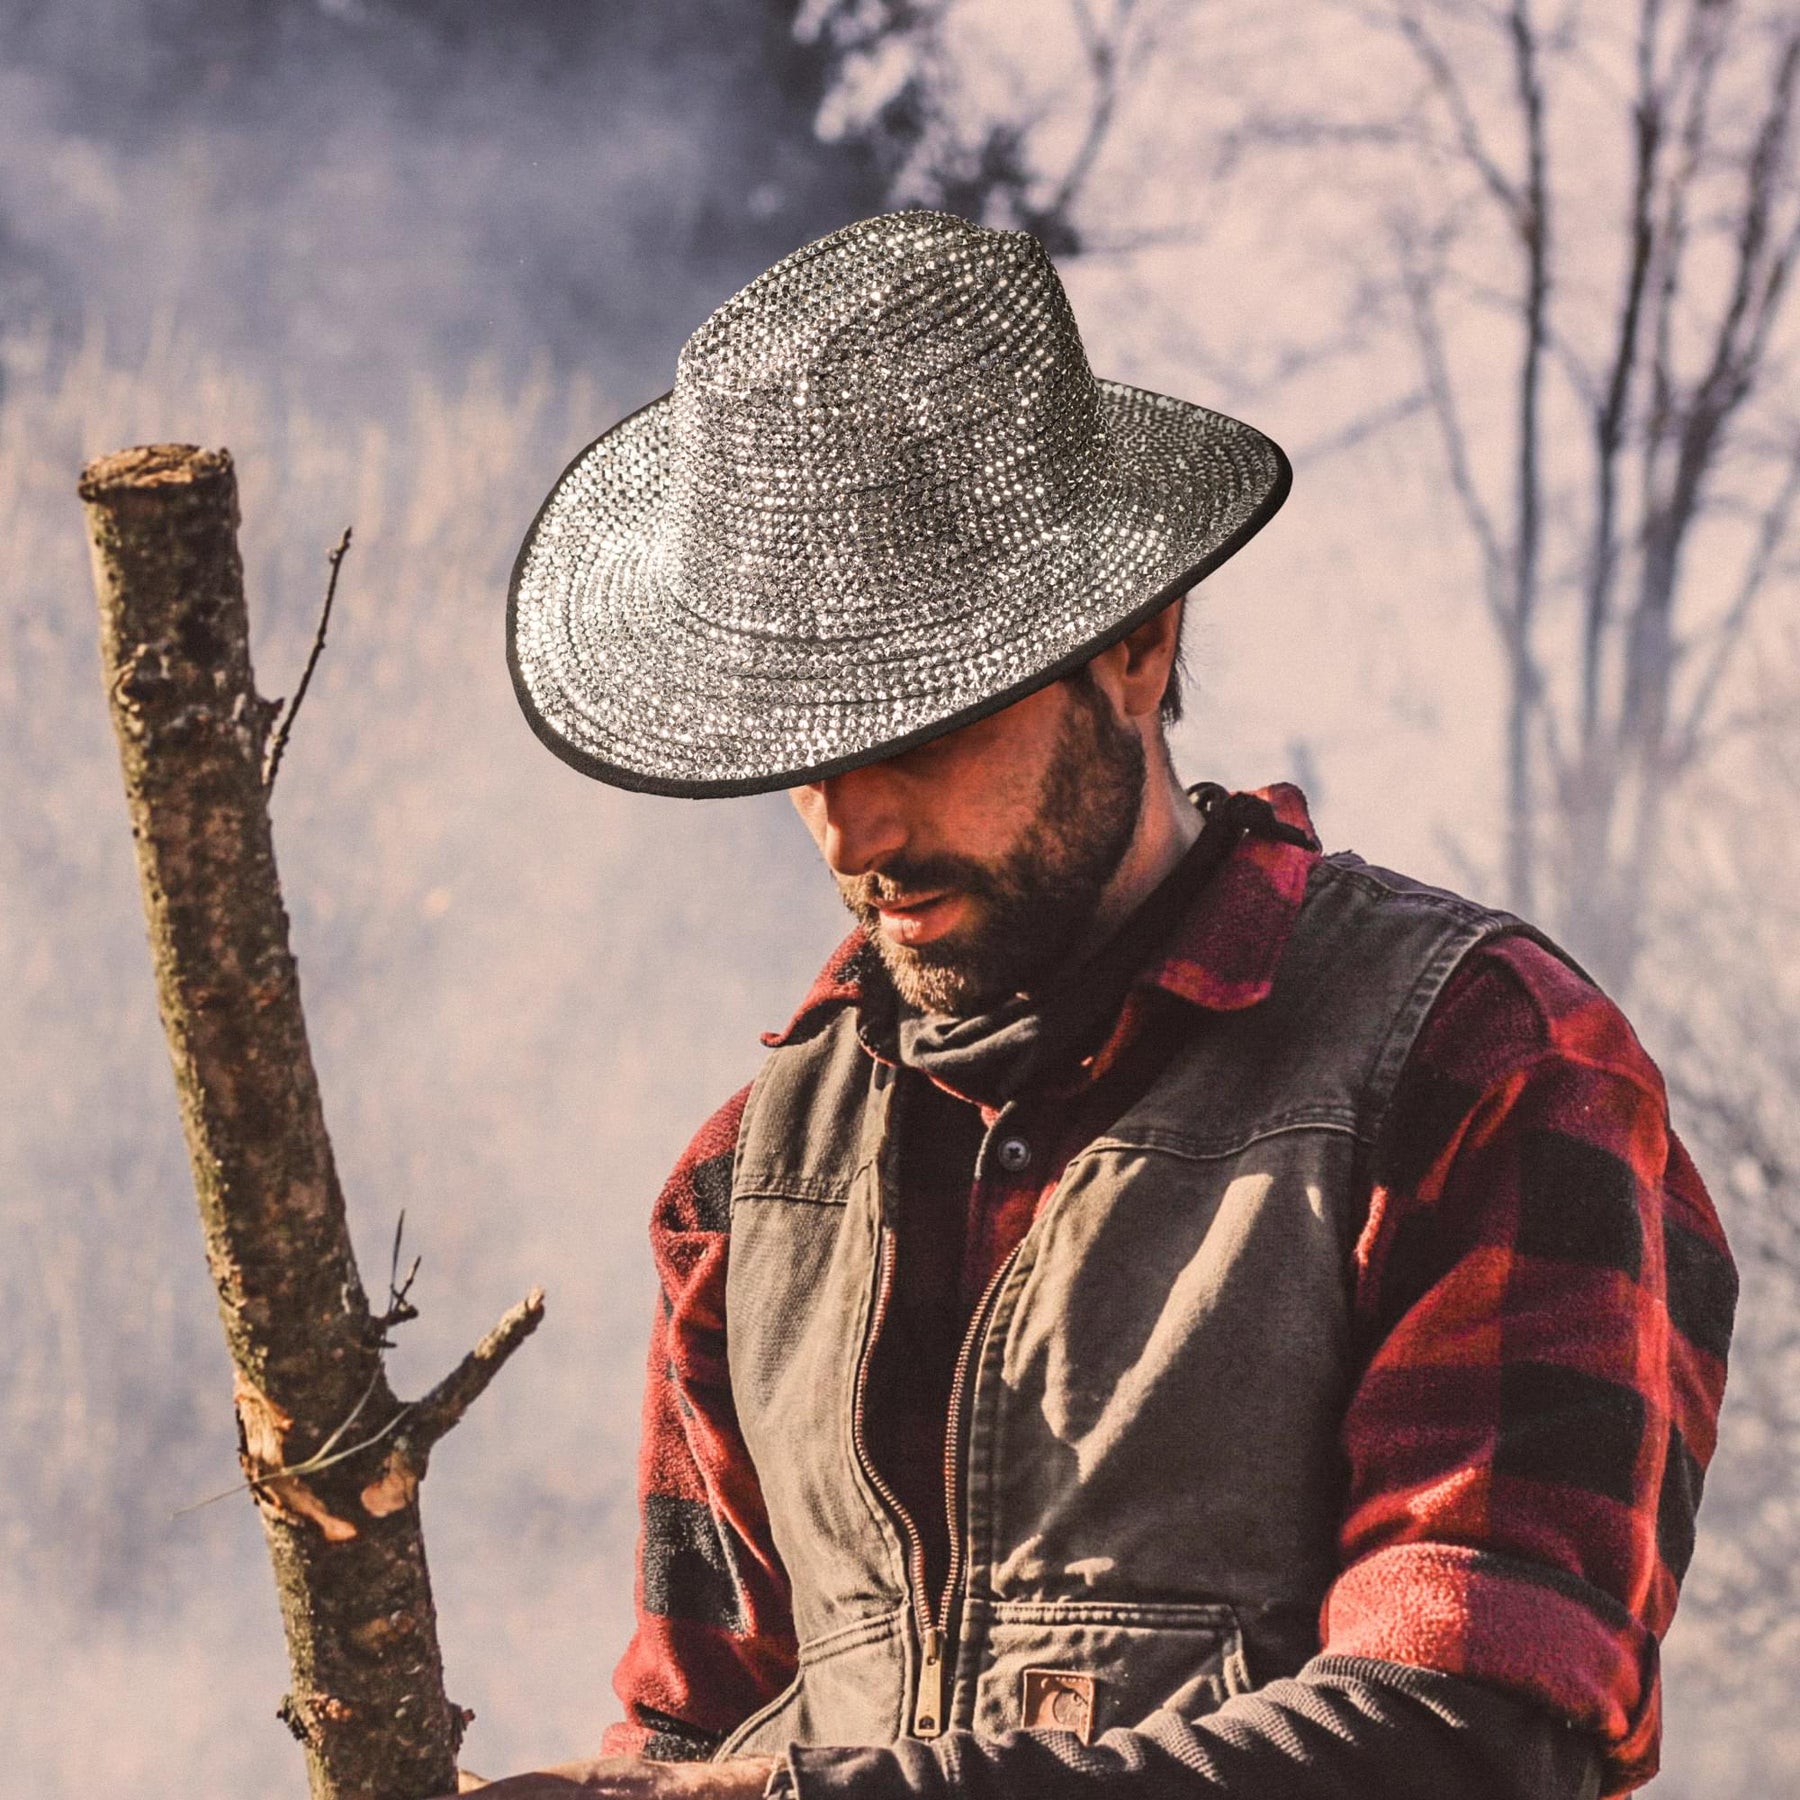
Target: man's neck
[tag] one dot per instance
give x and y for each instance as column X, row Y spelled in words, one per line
column 1168, row 824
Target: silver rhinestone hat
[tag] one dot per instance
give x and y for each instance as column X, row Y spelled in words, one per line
column 885, row 497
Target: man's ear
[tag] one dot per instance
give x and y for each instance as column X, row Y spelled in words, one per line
column 1136, row 670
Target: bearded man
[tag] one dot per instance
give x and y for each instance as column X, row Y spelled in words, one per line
column 1177, row 1313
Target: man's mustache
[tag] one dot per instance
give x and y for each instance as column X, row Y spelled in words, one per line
column 908, row 877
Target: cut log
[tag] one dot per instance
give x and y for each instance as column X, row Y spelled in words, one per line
column 333, row 1459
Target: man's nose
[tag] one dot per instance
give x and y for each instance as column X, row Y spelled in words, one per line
column 865, row 825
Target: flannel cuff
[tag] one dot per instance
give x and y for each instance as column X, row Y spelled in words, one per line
column 1533, row 1631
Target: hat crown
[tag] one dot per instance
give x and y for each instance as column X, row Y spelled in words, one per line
column 915, row 285
column 906, row 394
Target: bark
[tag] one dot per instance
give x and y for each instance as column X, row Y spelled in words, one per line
column 367, row 1699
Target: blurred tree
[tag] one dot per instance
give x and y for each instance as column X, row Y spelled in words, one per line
column 901, row 86
column 380, row 185
column 404, row 258
column 1586, row 221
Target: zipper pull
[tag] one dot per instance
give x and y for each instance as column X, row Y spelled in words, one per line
column 928, row 1715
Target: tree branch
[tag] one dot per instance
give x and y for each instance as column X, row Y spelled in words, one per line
column 1104, row 49
column 1758, row 284
column 1359, row 430
column 285, row 724
column 1771, row 535
column 1442, row 73
column 349, row 1558
column 1610, row 415
column 1702, row 52
column 1758, row 281
column 1534, row 233
column 1441, row 393
column 440, row 1410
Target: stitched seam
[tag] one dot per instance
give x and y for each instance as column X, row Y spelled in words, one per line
column 1202, row 1150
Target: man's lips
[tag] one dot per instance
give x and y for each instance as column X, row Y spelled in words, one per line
column 919, row 921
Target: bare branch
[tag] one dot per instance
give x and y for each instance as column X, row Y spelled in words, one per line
column 1697, row 67
column 1758, row 285
column 439, row 1411
column 1769, row 163
column 1449, row 88
column 1609, row 419
column 1770, row 537
column 285, row 725
column 427, row 1420
column 1441, row 392
column 1359, row 430
column 1261, row 130
column 1534, row 232
column 1088, row 27
column 1556, row 341
column 1105, row 52
column 400, row 1309
column 1758, row 280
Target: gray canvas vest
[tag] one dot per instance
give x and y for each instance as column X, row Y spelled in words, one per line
column 1150, row 1474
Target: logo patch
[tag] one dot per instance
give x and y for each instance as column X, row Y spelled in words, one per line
column 1058, row 1700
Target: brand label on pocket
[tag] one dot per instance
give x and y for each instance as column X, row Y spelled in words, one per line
column 1058, row 1700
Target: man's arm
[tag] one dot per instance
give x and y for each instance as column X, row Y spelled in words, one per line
column 714, row 1638
column 1549, row 1308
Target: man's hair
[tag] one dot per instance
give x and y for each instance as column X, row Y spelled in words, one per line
column 1171, row 699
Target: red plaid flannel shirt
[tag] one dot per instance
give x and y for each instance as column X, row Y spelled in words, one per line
column 1545, row 1297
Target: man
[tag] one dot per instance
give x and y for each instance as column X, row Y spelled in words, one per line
column 1177, row 1313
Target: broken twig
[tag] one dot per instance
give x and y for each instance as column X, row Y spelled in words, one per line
column 440, row 1409
column 285, row 723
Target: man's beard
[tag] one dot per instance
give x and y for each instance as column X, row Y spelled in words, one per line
column 1035, row 904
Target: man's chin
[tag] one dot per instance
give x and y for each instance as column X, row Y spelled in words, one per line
column 938, row 979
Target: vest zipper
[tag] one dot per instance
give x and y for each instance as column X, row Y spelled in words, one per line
column 953, row 1471
column 930, row 1638
column 929, row 1705
column 928, row 1710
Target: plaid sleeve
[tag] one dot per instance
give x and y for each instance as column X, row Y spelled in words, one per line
column 1547, row 1299
column 714, row 1638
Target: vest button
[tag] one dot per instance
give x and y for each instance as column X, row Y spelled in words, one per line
column 1015, row 1153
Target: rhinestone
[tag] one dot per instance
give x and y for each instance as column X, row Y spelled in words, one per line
column 885, row 495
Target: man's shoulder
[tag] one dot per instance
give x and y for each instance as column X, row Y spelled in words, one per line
column 1504, row 1002
column 1350, row 875
column 1507, row 965
column 1516, row 1004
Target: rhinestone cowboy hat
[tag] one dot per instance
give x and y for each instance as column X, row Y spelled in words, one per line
column 885, row 497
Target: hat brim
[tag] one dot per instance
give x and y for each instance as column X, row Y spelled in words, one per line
column 625, row 684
